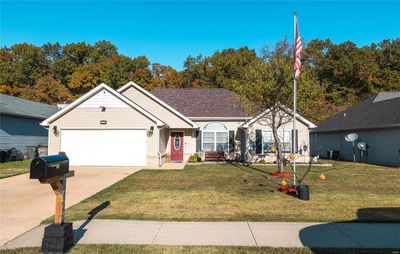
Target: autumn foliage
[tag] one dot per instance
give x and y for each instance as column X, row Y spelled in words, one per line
column 334, row 75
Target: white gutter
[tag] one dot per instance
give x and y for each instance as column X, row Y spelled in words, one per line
column 216, row 118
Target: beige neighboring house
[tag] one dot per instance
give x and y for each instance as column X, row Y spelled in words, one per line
column 135, row 127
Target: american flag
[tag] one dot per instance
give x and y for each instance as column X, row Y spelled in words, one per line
column 298, row 50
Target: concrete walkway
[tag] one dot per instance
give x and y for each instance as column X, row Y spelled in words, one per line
column 275, row 234
column 24, row 203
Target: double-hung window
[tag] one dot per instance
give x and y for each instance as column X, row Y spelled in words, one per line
column 268, row 141
column 215, row 137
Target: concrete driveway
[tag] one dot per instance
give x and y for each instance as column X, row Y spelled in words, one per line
column 24, row 203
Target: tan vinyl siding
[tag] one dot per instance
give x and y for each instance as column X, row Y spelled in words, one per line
column 117, row 118
column 231, row 125
column 164, row 140
column 155, row 108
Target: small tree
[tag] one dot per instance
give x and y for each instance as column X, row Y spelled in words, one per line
column 267, row 85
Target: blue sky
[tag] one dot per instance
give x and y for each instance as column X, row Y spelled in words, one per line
column 167, row 32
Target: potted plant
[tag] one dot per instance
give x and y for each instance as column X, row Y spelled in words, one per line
column 303, row 191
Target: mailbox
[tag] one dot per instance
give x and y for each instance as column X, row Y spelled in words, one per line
column 43, row 168
column 54, row 170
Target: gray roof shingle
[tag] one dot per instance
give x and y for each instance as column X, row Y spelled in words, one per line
column 10, row 105
column 379, row 111
column 202, row 102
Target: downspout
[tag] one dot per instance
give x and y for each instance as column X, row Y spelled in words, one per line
column 159, row 159
column 159, row 148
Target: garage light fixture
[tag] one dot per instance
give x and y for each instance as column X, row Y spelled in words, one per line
column 151, row 130
column 103, row 108
column 55, row 131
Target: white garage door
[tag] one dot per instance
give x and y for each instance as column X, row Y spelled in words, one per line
column 105, row 147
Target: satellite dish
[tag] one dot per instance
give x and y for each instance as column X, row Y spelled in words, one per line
column 362, row 146
column 351, row 137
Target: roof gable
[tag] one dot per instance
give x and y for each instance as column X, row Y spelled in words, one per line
column 203, row 102
column 132, row 85
column 300, row 118
column 103, row 99
column 91, row 99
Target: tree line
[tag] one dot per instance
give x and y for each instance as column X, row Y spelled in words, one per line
column 334, row 76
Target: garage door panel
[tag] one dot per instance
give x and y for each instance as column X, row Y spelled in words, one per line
column 105, row 147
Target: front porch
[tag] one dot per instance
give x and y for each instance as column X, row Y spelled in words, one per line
column 212, row 141
column 175, row 147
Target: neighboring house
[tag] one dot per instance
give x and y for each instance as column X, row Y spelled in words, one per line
column 134, row 127
column 376, row 120
column 20, row 123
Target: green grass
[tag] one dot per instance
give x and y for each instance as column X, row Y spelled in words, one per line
column 14, row 168
column 224, row 192
column 158, row 249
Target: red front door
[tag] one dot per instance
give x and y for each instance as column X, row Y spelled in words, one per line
column 176, row 146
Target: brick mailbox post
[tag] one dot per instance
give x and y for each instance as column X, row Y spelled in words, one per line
column 54, row 170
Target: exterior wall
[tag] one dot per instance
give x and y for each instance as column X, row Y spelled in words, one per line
column 21, row 133
column 303, row 139
column 117, row 118
column 164, row 136
column 155, row 108
column 384, row 145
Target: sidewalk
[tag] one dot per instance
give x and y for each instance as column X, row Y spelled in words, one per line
column 274, row 234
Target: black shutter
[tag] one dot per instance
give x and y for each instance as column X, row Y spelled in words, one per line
column 258, row 141
column 231, row 141
column 198, row 141
column 296, row 147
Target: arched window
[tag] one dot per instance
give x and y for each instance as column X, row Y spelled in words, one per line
column 215, row 137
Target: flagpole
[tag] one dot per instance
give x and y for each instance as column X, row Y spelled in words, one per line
column 294, row 103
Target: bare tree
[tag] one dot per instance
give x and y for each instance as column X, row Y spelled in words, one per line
column 275, row 118
column 268, row 86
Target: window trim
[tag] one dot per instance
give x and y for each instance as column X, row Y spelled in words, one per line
column 215, row 136
column 270, row 130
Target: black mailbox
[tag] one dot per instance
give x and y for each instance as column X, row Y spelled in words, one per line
column 49, row 166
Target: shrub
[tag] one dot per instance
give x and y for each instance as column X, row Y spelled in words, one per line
column 194, row 158
column 262, row 161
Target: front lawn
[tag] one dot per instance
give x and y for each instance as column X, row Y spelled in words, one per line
column 225, row 192
column 14, row 168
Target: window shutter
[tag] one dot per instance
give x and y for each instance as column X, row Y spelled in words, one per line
column 231, row 141
column 198, row 141
column 258, row 141
column 296, row 145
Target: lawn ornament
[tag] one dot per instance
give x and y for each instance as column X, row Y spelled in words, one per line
column 283, row 183
column 54, row 170
column 322, row 177
column 292, row 156
column 273, row 150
